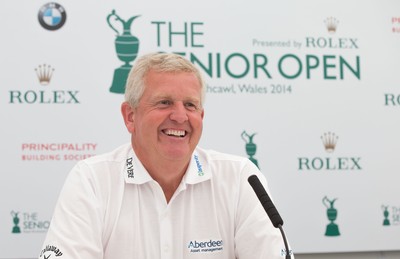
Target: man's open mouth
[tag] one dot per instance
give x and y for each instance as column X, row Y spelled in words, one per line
column 175, row 133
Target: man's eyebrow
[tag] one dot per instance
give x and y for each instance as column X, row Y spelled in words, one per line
column 192, row 99
column 169, row 97
column 160, row 97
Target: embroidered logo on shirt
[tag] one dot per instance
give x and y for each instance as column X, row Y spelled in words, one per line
column 50, row 248
column 199, row 166
column 207, row 246
column 129, row 168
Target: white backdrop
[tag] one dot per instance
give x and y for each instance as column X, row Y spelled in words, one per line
column 273, row 69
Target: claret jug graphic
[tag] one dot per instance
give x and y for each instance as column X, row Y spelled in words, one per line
column 16, row 228
column 251, row 147
column 127, row 48
column 386, row 221
column 331, row 229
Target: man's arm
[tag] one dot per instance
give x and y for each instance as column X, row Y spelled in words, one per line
column 76, row 227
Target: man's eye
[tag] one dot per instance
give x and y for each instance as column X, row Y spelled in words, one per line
column 191, row 106
column 165, row 102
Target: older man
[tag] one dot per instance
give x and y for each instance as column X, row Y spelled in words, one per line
column 161, row 196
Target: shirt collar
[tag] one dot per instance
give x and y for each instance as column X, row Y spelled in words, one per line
column 134, row 171
column 198, row 169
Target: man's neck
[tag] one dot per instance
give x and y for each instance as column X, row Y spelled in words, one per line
column 168, row 174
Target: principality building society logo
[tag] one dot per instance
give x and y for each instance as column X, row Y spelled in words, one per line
column 52, row 16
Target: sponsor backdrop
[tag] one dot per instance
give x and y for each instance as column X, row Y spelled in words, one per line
column 308, row 90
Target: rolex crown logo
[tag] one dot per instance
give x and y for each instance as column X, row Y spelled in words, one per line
column 44, row 73
column 331, row 24
column 329, row 140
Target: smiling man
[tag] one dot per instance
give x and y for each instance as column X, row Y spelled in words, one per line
column 166, row 123
column 162, row 196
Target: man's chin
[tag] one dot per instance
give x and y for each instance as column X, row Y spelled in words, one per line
column 178, row 154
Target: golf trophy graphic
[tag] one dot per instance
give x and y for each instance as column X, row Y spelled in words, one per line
column 127, row 48
column 251, row 147
column 386, row 221
column 16, row 228
column 331, row 229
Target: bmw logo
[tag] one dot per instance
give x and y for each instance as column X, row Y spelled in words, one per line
column 52, row 16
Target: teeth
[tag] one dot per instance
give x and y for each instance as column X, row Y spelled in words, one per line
column 177, row 133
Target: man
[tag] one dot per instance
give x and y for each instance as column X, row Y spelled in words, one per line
column 161, row 196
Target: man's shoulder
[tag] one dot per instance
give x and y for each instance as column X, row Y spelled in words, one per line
column 227, row 170
column 223, row 164
column 117, row 155
column 103, row 167
column 218, row 156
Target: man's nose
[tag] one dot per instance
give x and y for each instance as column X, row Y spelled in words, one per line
column 179, row 113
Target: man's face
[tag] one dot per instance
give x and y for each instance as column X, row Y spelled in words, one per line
column 168, row 122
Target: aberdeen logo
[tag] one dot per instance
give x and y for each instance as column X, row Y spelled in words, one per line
column 207, row 246
column 251, row 147
column 331, row 24
column 331, row 229
column 127, row 48
column 44, row 74
column 329, row 163
column 391, row 215
column 30, row 223
column 52, row 16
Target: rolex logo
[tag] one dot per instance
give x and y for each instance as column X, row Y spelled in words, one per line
column 330, row 162
column 329, row 140
column 331, row 24
column 44, row 73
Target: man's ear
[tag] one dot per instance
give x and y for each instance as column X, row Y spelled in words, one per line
column 128, row 115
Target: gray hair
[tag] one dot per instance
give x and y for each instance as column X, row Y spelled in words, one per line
column 160, row 62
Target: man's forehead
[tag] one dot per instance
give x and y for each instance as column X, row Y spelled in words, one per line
column 171, row 96
column 155, row 71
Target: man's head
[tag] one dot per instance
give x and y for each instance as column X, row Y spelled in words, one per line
column 160, row 62
column 163, row 109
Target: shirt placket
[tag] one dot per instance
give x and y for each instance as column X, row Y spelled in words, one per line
column 166, row 234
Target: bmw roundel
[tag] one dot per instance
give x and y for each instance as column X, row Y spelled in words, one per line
column 52, row 16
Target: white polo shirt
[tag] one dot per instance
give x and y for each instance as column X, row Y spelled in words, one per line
column 111, row 208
